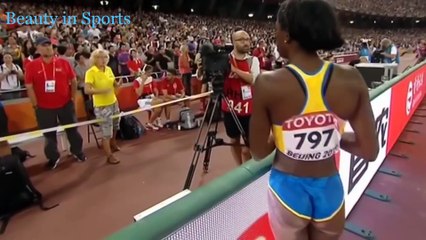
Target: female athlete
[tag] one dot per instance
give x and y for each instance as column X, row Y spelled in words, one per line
column 303, row 104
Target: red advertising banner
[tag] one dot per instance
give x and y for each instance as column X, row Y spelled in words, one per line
column 406, row 97
column 259, row 230
column 345, row 58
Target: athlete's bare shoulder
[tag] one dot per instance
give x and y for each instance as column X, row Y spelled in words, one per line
column 263, row 80
column 269, row 79
column 272, row 85
column 350, row 76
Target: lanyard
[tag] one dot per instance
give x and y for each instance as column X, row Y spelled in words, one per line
column 44, row 71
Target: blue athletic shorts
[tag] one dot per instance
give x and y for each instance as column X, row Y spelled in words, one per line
column 317, row 199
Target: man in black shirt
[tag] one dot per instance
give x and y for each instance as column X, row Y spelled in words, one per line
column 113, row 60
column 161, row 60
column 150, row 56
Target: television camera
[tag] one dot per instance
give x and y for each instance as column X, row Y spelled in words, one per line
column 216, row 67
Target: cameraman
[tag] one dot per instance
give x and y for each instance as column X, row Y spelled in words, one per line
column 238, row 88
column 390, row 51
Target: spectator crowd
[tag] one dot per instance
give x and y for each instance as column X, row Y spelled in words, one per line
column 161, row 40
column 398, row 8
column 163, row 46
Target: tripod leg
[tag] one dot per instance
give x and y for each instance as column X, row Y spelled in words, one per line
column 207, row 154
column 236, row 121
column 200, row 148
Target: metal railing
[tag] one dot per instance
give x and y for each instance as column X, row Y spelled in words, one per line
column 126, row 79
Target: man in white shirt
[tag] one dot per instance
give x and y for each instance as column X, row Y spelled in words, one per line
column 10, row 77
column 94, row 32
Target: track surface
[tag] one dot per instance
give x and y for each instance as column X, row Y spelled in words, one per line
column 404, row 217
column 97, row 199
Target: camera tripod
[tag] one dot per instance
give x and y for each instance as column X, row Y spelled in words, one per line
column 210, row 137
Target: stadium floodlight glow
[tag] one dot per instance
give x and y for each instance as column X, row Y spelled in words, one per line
column 351, row 22
column 250, row 15
column 417, row 21
column 155, row 7
column 269, row 16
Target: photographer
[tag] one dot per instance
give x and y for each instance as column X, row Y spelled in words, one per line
column 389, row 51
column 148, row 96
column 364, row 50
column 10, row 77
column 238, row 88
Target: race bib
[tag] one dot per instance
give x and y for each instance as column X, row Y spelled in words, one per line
column 311, row 138
column 246, row 92
column 50, row 86
column 240, row 108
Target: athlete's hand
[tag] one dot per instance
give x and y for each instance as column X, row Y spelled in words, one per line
column 271, row 138
column 341, row 124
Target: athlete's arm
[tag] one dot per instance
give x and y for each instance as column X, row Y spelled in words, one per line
column 363, row 141
column 261, row 144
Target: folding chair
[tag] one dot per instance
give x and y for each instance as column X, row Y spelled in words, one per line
column 92, row 129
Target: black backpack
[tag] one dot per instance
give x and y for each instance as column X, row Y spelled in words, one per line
column 16, row 190
column 130, row 128
column 22, row 155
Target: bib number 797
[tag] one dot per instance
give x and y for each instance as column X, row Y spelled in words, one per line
column 315, row 138
column 239, row 107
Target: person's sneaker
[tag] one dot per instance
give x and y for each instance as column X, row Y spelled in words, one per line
column 80, row 157
column 52, row 164
column 151, row 126
column 159, row 124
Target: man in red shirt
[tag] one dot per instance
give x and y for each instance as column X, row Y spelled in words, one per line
column 52, row 85
column 171, row 88
column 260, row 53
column 238, row 89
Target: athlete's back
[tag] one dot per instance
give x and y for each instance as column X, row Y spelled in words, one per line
column 287, row 98
column 303, row 104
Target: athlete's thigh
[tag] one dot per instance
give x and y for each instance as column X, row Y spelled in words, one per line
column 284, row 224
column 328, row 230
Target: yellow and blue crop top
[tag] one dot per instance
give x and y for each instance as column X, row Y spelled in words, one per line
column 314, row 134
